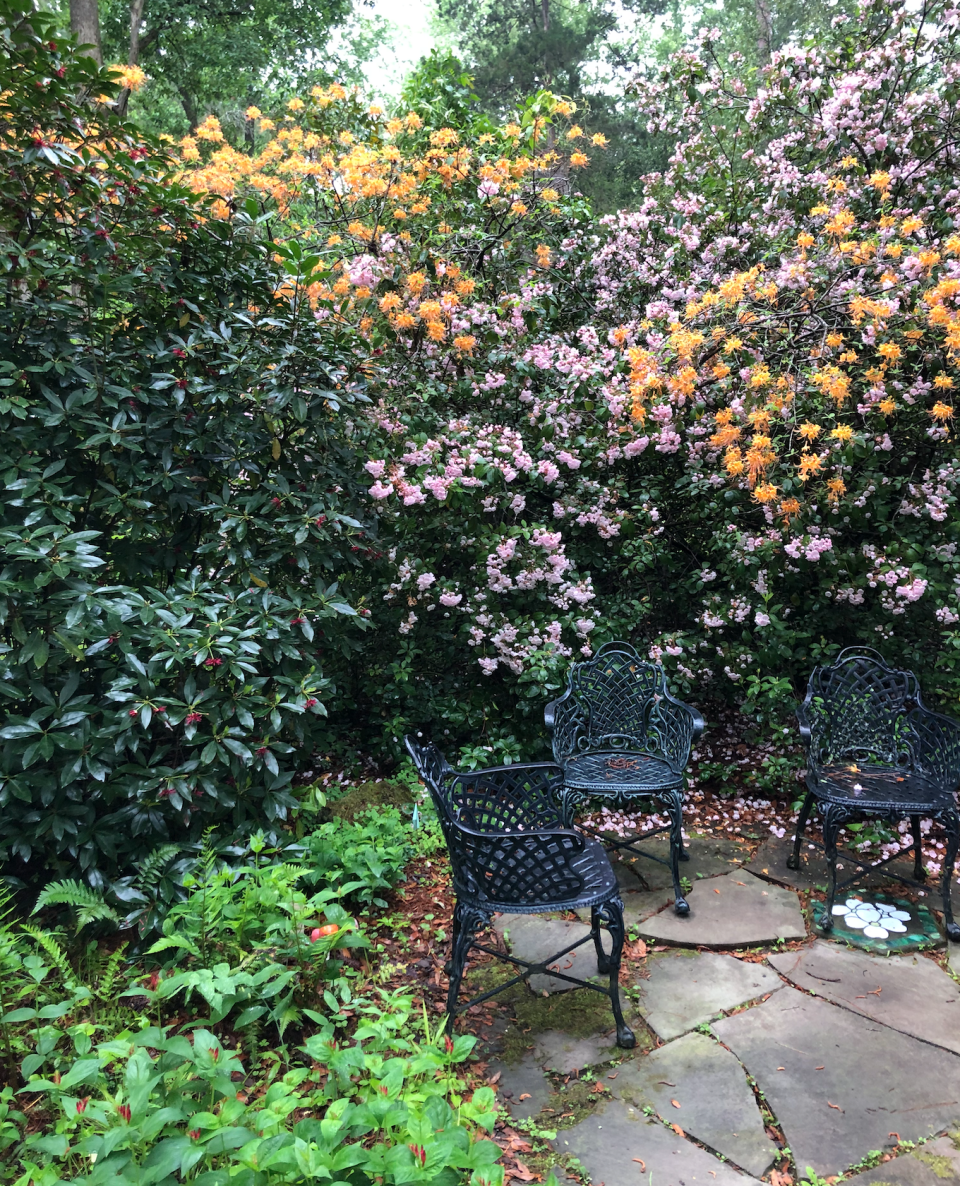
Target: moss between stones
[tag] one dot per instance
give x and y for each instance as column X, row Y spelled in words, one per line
column 581, row 1013
column 366, row 795
column 941, row 1166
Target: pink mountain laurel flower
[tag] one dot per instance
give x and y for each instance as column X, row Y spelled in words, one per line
column 133, row 712
column 192, row 718
column 261, row 750
column 310, row 703
column 212, row 662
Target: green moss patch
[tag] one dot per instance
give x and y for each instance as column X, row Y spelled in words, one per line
column 367, row 795
column 941, row 1166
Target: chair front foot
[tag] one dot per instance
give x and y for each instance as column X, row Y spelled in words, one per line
column 448, row 967
column 603, row 964
column 626, row 1038
column 826, row 923
column 793, row 862
column 681, row 906
column 683, row 855
column 953, row 932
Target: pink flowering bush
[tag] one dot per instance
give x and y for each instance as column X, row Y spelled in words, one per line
column 719, row 425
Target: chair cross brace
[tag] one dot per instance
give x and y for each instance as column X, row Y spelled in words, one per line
column 920, row 882
column 530, row 969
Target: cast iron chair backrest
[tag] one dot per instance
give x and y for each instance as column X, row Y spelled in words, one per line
column 618, row 701
column 503, row 829
column 860, row 709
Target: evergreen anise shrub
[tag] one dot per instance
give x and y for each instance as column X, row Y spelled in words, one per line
column 175, row 500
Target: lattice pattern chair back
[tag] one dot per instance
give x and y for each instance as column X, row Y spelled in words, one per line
column 503, row 830
column 861, row 710
column 616, row 700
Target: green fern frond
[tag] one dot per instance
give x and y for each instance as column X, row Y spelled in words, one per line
column 54, row 951
column 109, row 975
column 88, row 903
column 152, row 867
column 171, row 941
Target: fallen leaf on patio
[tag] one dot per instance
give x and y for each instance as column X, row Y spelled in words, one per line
column 495, row 1079
column 598, row 1089
column 743, row 883
column 676, row 1103
column 525, row 1096
column 874, row 992
column 818, row 1068
column 521, row 1173
column 678, row 1130
column 716, row 891
column 614, row 1075
column 836, row 1107
column 781, row 1068
column 643, row 1164
column 666, row 1083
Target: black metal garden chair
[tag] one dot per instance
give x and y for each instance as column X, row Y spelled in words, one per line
column 618, row 733
column 511, row 853
column 874, row 750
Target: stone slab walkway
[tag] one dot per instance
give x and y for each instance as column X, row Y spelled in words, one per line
column 619, row 1146
column 736, row 910
column 937, row 1163
column 906, row 992
column 839, row 1051
column 839, row 1083
column 683, row 991
column 696, row 1083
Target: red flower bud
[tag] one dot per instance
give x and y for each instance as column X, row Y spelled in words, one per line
column 448, row 1044
column 182, row 383
column 275, row 501
column 310, row 703
column 124, row 1110
column 133, row 712
column 194, row 1134
column 82, row 1105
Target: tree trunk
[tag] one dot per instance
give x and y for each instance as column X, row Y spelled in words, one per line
column 85, row 26
column 136, row 20
column 764, row 31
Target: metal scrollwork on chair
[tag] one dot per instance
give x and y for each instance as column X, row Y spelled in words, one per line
column 873, row 749
column 618, row 733
column 511, row 853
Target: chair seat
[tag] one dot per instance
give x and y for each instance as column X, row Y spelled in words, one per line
column 879, row 788
column 617, row 772
column 540, row 897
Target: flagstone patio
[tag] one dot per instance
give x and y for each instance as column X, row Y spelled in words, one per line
column 753, row 1060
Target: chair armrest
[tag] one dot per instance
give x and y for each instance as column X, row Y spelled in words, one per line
column 523, row 797
column 550, row 714
column 518, row 867
column 936, row 745
column 684, row 724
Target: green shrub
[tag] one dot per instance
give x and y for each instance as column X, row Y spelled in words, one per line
column 176, row 497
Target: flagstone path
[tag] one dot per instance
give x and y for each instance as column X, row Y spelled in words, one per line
column 844, row 1053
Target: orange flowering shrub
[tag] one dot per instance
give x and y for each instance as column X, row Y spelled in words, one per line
column 720, row 425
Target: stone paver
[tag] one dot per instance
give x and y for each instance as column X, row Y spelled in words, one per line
column 533, row 937
column 525, row 1078
column 936, row 1163
column 717, row 1105
column 709, row 857
column 619, row 1146
column 838, row 1083
column 731, row 911
column 638, row 906
column 907, row 992
column 556, row 1051
column 685, row 990
column 770, row 861
column 953, row 960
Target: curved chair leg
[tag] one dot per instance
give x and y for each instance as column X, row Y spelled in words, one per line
column 952, row 824
column 466, row 922
column 611, row 912
column 675, row 807
column 597, row 916
column 831, row 828
column 793, row 861
column 919, row 873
